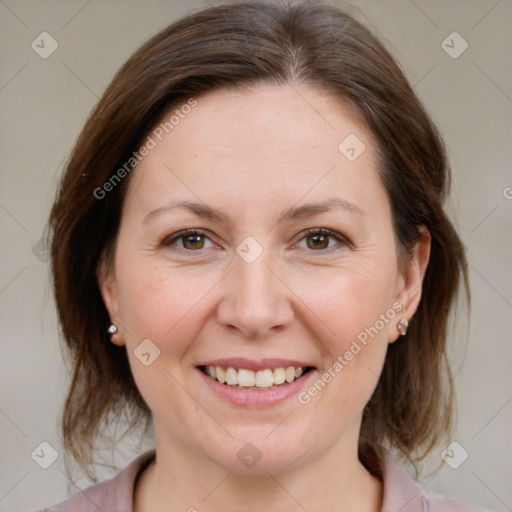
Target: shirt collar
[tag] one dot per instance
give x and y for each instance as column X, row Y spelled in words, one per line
column 400, row 492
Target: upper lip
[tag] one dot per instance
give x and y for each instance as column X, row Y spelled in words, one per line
column 253, row 364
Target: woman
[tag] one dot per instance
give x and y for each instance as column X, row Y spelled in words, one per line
column 250, row 251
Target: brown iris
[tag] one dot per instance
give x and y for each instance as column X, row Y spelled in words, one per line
column 321, row 241
column 196, row 241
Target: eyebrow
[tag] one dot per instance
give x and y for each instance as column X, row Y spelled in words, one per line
column 298, row 212
column 308, row 210
column 201, row 210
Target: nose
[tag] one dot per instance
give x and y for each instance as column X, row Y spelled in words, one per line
column 256, row 299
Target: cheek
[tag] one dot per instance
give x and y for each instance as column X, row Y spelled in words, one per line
column 353, row 350
column 163, row 304
column 349, row 298
column 353, row 308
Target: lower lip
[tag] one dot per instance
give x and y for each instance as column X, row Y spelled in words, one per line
column 251, row 398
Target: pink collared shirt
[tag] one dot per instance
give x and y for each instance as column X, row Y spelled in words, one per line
column 401, row 492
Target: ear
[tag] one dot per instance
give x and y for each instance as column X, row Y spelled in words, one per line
column 410, row 280
column 105, row 274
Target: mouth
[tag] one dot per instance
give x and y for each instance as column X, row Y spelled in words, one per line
column 255, row 380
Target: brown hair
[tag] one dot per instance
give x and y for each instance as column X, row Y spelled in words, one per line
column 239, row 45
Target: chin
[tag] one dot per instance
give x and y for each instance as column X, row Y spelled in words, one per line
column 257, row 453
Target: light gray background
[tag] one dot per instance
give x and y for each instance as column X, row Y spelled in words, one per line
column 43, row 105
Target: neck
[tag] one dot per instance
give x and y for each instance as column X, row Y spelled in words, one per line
column 180, row 479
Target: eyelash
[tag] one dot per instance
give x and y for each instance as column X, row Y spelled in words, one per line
column 170, row 240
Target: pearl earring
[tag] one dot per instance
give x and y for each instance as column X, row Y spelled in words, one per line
column 402, row 326
column 112, row 329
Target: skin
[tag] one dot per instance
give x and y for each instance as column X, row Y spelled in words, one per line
column 255, row 154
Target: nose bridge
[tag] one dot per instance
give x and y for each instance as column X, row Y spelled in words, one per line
column 255, row 300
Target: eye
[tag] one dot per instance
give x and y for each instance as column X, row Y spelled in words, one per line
column 188, row 240
column 195, row 240
column 319, row 239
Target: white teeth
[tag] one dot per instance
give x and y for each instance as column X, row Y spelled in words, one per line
column 246, row 378
column 279, row 376
column 263, row 379
column 290, row 374
column 221, row 374
column 231, row 377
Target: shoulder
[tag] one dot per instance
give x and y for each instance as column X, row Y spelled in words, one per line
column 402, row 493
column 114, row 495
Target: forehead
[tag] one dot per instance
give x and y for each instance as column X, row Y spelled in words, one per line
column 247, row 146
column 240, row 124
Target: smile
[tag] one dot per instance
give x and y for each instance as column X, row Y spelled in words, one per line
column 261, row 380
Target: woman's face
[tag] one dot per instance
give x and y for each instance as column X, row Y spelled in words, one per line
column 251, row 289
